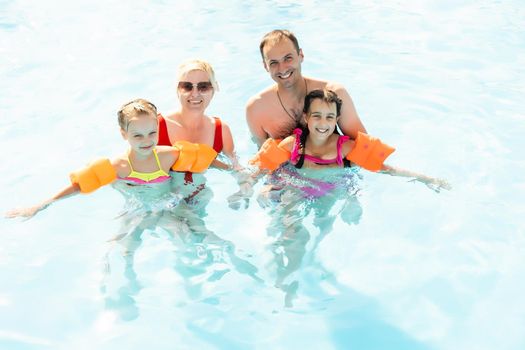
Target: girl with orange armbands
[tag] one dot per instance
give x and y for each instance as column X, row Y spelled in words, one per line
column 144, row 163
column 318, row 145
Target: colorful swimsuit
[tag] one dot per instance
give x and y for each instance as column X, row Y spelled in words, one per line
column 164, row 140
column 296, row 156
column 147, row 178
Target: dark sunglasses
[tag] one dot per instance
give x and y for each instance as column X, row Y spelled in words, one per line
column 202, row 86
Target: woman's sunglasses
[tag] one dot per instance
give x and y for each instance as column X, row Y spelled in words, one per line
column 202, row 86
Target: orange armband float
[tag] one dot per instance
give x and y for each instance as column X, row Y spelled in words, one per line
column 369, row 152
column 193, row 157
column 270, row 156
column 95, row 175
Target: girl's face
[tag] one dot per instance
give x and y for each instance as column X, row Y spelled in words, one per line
column 197, row 97
column 321, row 119
column 142, row 134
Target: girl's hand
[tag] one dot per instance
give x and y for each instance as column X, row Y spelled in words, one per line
column 24, row 212
column 246, row 183
column 435, row 184
column 242, row 196
column 269, row 195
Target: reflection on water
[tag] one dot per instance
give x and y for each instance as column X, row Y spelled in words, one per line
column 303, row 195
column 154, row 212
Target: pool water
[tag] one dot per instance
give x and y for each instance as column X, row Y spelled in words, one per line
column 377, row 263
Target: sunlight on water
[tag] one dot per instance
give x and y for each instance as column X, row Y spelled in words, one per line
column 372, row 262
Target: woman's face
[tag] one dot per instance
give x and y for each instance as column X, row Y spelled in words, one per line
column 195, row 90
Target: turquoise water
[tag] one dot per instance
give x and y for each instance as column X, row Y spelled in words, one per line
column 387, row 265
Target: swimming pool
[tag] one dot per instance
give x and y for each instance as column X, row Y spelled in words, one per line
column 396, row 266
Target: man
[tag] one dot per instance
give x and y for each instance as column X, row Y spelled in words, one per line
column 277, row 110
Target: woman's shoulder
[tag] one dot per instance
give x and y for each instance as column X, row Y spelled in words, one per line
column 171, row 118
column 217, row 120
column 225, row 128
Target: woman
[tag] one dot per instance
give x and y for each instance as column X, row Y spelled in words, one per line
column 196, row 86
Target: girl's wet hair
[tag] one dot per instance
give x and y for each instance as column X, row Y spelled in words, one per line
column 326, row 95
column 134, row 109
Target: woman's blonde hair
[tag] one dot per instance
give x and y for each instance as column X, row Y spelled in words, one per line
column 201, row 65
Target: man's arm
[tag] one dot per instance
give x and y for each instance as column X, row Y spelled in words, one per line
column 254, row 118
column 349, row 121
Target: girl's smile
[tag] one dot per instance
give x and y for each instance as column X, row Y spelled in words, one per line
column 321, row 119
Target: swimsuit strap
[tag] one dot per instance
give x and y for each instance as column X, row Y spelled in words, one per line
column 297, row 145
column 217, row 146
column 217, row 139
column 338, row 159
column 342, row 139
column 159, row 170
column 130, row 166
column 158, row 175
column 320, row 161
column 164, row 138
column 157, row 159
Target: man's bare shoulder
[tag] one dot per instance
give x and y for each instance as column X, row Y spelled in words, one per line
column 314, row 83
column 259, row 99
column 335, row 86
column 257, row 105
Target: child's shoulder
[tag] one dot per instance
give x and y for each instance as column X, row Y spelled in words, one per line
column 288, row 143
column 167, row 155
column 161, row 150
column 121, row 165
column 347, row 146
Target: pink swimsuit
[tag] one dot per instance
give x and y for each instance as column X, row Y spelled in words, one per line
column 294, row 158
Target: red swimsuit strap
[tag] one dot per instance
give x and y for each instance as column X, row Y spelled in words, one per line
column 164, row 139
column 217, row 146
column 217, row 139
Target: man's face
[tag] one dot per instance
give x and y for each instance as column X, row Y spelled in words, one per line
column 283, row 62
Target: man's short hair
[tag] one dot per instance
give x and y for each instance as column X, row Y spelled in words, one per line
column 277, row 35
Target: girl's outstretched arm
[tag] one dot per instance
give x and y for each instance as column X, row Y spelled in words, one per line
column 435, row 184
column 29, row 212
column 96, row 174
